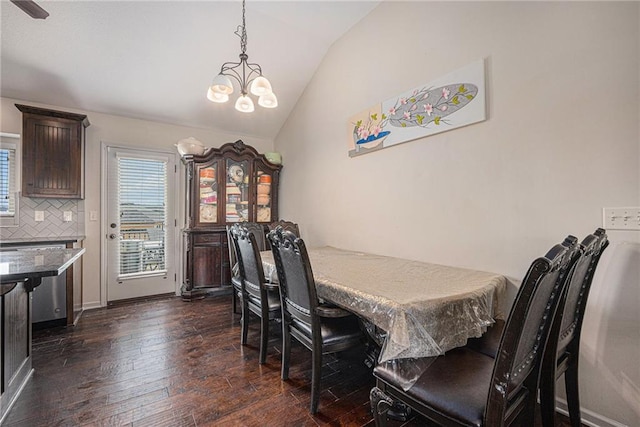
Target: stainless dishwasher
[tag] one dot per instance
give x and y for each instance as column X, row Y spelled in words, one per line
column 49, row 300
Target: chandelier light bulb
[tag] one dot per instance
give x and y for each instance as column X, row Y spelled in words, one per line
column 217, row 97
column 268, row 100
column 260, row 86
column 244, row 104
column 222, row 84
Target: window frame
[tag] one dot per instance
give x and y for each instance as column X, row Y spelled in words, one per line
column 126, row 180
column 11, row 141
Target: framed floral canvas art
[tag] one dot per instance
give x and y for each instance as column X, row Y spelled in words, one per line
column 452, row 101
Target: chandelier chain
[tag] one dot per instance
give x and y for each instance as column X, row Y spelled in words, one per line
column 241, row 31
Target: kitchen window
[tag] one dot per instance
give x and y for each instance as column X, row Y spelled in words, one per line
column 9, row 175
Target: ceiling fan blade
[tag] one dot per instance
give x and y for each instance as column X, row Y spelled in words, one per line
column 31, row 8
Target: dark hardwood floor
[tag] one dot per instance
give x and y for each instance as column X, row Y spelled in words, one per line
column 166, row 362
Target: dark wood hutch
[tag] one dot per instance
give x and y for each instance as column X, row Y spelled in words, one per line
column 233, row 183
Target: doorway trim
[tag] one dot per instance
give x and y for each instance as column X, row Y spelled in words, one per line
column 175, row 250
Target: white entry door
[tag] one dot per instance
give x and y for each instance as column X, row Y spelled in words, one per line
column 140, row 223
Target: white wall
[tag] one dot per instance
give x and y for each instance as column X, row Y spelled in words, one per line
column 120, row 131
column 561, row 143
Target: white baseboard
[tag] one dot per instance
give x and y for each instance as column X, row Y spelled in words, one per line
column 589, row 418
column 91, row 305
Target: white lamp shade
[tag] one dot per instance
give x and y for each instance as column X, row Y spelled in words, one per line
column 217, row 97
column 244, row 104
column 268, row 100
column 260, row 86
column 222, row 84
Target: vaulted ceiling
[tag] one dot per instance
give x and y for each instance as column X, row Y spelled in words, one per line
column 154, row 60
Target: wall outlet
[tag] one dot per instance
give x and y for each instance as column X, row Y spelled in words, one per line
column 621, row 218
column 67, row 216
column 39, row 216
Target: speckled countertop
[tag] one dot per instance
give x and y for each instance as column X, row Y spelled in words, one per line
column 21, row 264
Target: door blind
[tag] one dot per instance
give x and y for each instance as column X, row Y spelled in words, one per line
column 7, row 181
column 142, row 209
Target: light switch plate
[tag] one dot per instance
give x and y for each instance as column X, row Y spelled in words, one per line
column 621, row 218
column 93, row 215
column 39, row 216
column 67, row 216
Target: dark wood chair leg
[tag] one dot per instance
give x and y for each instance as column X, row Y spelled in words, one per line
column 380, row 405
column 286, row 351
column 245, row 322
column 315, row 377
column 548, row 399
column 528, row 414
column 234, row 302
column 264, row 338
column 573, row 392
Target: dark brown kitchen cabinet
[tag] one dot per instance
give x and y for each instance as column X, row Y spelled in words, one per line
column 52, row 153
column 233, row 183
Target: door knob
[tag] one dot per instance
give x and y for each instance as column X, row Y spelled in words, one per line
column 112, row 236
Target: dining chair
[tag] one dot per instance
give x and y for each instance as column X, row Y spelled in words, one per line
column 257, row 296
column 286, row 225
column 236, row 282
column 322, row 328
column 464, row 387
column 261, row 240
column 563, row 347
column 561, row 355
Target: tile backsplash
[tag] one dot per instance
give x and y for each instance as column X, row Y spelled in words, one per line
column 53, row 224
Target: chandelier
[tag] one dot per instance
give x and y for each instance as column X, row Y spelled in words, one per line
column 248, row 75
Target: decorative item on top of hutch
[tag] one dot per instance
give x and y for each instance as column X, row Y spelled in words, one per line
column 233, row 183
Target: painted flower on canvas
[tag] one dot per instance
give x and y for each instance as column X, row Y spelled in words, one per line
column 414, row 111
column 444, row 101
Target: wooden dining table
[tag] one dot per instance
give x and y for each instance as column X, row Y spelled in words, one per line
column 423, row 309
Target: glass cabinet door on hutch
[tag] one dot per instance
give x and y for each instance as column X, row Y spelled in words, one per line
column 263, row 180
column 237, row 191
column 233, row 183
column 207, row 194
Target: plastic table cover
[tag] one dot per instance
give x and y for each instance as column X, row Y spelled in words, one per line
column 425, row 309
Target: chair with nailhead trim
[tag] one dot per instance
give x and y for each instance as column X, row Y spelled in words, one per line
column 258, row 296
column 563, row 347
column 322, row 328
column 464, row 387
column 561, row 355
column 261, row 240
